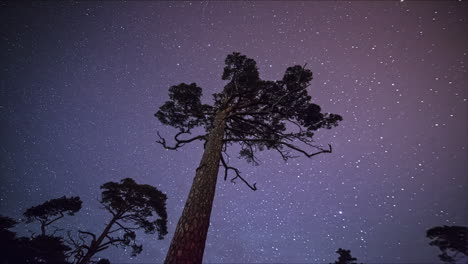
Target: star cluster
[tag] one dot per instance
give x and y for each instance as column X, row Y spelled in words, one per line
column 80, row 82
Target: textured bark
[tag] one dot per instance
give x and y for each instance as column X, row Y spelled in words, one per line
column 188, row 243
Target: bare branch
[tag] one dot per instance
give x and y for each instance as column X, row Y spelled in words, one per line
column 179, row 142
column 284, row 154
column 291, row 146
column 121, row 227
column 80, row 236
column 295, row 123
column 309, row 155
column 112, row 241
column 88, row 233
column 73, row 242
column 227, row 168
column 56, row 230
column 101, row 249
column 70, row 239
column 78, row 249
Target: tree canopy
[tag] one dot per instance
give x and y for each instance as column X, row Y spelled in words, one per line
column 132, row 206
column 136, row 203
column 44, row 249
column 262, row 115
column 52, row 210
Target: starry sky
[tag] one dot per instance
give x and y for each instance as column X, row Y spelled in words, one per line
column 81, row 81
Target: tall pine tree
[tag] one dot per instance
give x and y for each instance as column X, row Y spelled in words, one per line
column 256, row 114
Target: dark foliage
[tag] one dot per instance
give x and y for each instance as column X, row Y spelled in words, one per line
column 8, row 243
column 5, row 224
column 184, row 110
column 52, row 210
column 451, row 240
column 277, row 115
column 133, row 206
column 44, row 249
column 40, row 249
column 135, row 203
column 345, row 257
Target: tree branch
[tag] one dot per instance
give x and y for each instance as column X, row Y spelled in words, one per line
column 126, row 229
column 56, row 230
column 309, row 155
column 101, row 249
column 111, row 241
column 322, row 150
column 284, row 154
column 88, row 233
column 227, row 168
column 78, row 249
column 179, row 142
column 50, row 222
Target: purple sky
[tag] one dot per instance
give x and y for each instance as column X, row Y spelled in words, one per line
column 80, row 84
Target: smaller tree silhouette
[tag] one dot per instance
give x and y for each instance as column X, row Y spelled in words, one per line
column 132, row 207
column 5, row 224
column 8, row 243
column 42, row 249
column 52, row 210
column 451, row 240
column 345, row 257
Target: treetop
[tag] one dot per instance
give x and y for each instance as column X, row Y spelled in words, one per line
column 54, row 207
column 259, row 114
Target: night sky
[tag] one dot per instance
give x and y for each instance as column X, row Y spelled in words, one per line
column 80, row 83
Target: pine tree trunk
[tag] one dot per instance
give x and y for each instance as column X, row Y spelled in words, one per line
column 188, row 243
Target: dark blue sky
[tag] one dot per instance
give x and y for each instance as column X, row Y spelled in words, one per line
column 80, row 83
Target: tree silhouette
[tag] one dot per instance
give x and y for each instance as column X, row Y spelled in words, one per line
column 52, row 210
column 345, row 257
column 38, row 249
column 8, row 242
column 451, row 240
column 250, row 112
column 5, row 224
column 44, row 249
column 132, row 206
